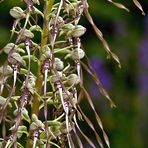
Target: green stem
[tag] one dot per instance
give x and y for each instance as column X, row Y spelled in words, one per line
column 44, row 40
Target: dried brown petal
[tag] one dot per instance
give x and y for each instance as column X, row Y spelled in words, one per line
column 139, row 6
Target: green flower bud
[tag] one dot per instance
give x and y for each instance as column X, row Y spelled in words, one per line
column 21, row 129
column 58, row 64
column 38, row 123
column 17, row 13
column 63, row 128
column 30, row 88
column 20, row 50
column 32, row 80
column 35, row 28
column 28, row 34
column 72, row 79
column 77, row 53
column 56, row 130
column 24, row 63
column 60, row 20
column 34, row 117
column 66, row 95
column 25, row 115
column 78, row 31
column 54, row 78
column 7, row 71
column 68, row 27
column 15, row 58
column 15, row 112
column 45, row 48
column 2, row 101
column 46, row 53
column 33, row 126
column 9, row 47
column 36, row 2
column 30, row 84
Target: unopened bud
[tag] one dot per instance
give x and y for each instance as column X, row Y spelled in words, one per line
column 59, row 19
column 9, row 47
column 45, row 48
column 32, row 80
column 28, row 34
column 58, row 64
column 30, row 85
column 6, row 71
column 34, row 117
column 68, row 27
column 35, row 28
column 36, row 2
column 2, row 100
column 72, row 79
column 15, row 58
column 78, row 31
column 56, row 78
column 17, row 13
column 77, row 53
column 46, row 53
column 33, row 126
column 37, row 122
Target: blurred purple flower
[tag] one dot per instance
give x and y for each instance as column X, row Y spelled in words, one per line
column 143, row 49
column 119, row 28
column 143, row 62
column 143, row 85
column 143, row 53
column 103, row 75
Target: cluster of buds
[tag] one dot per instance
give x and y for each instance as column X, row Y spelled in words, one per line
column 47, row 75
column 53, row 57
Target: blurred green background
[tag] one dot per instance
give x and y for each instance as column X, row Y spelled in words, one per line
column 127, row 35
